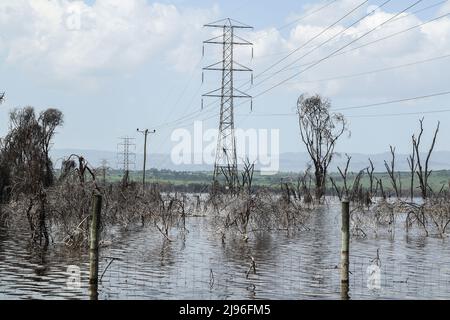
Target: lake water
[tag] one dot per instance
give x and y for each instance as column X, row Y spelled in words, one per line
column 197, row 265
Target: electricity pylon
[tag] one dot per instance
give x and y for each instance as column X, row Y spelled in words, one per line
column 226, row 159
column 104, row 167
column 125, row 154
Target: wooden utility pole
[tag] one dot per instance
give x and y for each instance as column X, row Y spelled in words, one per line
column 145, row 133
column 94, row 239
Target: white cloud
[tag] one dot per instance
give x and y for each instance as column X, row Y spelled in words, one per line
column 420, row 43
column 71, row 39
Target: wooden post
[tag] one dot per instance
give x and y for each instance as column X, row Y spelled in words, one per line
column 145, row 133
column 345, row 247
column 94, row 239
column 145, row 160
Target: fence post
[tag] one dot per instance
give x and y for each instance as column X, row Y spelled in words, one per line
column 94, row 239
column 345, row 248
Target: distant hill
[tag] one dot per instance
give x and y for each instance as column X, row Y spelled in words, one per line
column 289, row 162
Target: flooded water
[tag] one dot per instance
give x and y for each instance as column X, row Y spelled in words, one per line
column 197, row 265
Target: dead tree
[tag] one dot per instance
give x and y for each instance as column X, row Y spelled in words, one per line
column 247, row 176
column 370, row 170
column 422, row 171
column 380, row 185
column 319, row 131
column 355, row 191
column 26, row 161
column 343, row 191
column 412, row 167
column 392, row 174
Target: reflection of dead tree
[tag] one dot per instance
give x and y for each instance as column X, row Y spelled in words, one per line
column 423, row 172
column 252, row 267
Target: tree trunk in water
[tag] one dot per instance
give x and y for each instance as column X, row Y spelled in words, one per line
column 320, row 186
column 42, row 221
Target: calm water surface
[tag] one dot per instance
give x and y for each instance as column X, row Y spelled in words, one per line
column 197, row 265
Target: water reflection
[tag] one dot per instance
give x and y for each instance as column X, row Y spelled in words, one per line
column 197, row 265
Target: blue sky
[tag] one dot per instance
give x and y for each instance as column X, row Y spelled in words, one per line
column 138, row 63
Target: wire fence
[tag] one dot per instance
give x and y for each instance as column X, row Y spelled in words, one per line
column 204, row 277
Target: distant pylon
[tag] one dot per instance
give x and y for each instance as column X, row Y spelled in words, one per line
column 226, row 159
column 125, row 153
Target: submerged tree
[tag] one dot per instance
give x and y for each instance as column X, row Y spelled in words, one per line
column 4, row 173
column 320, row 129
column 26, row 163
column 26, row 148
column 422, row 168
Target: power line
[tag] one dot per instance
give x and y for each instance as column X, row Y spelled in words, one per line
column 336, row 51
column 396, row 17
column 366, row 105
column 312, row 64
column 313, row 38
column 307, row 15
column 352, row 33
column 394, row 101
column 354, row 75
column 325, row 42
column 372, row 42
column 356, row 116
column 399, row 114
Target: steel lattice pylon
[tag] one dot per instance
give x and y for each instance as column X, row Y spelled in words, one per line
column 125, row 155
column 226, row 159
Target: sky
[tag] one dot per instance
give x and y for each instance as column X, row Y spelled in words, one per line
column 112, row 66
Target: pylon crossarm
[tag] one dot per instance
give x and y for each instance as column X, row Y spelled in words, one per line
column 212, row 66
column 244, row 42
column 243, row 94
column 212, row 40
column 228, row 22
column 234, row 42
